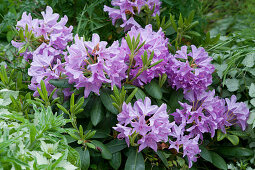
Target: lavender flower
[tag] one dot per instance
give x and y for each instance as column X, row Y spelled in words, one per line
column 148, row 121
column 191, row 71
column 126, row 9
column 154, row 41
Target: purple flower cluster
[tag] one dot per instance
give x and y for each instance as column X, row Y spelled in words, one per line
column 154, row 41
column 47, row 30
column 126, row 9
column 205, row 114
column 90, row 64
column 52, row 36
column 191, row 71
column 149, row 122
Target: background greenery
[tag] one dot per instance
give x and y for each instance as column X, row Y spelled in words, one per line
column 224, row 28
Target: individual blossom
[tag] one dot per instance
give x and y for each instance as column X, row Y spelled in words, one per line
column 190, row 71
column 90, row 64
column 236, row 113
column 149, row 122
column 153, row 42
column 125, row 10
column 187, row 143
column 46, row 65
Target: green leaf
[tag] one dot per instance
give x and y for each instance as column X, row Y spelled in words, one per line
column 156, row 63
column 173, row 22
column 154, row 90
column 32, row 133
column 235, row 152
column 252, row 101
column 162, row 157
column 140, row 94
column 116, row 145
column 90, row 134
column 175, row 97
column 107, row 100
column 130, row 97
column 115, row 162
column 62, row 108
column 252, row 90
column 84, row 157
column 205, row 154
column 135, row 161
column 239, row 133
column 60, row 83
column 180, row 21
column 220, row 135
column 251, row 117
column 249, row 60
column 23, row 49
column 233, row 139
column 218, row 161
column 220, row 68
column 96, row 113
column 105, row 152
column 10, row 35
column 232, row 84
column 5, row 99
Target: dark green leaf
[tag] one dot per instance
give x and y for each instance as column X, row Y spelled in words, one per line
column 153, row 89
column 107, row 100
column 84, row 157
column 115, row 162
column 96, row 113
column 218, row 161
column 60, row 83
column 140, row 94
column 116, row 145
column 235, row 151
column 135, row 161
column 205, row 154
column 105, row 152
column 162, row 157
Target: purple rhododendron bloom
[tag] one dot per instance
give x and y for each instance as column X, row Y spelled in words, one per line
column 206, row 113
column 126, row 9
column 46, row 65
column 48, row 30
column 154, row 41
column 53, row 37
column 90, row 64
column 191, row 71
column 150, row 122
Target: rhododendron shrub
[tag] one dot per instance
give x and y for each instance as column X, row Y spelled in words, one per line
column 140, row 61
